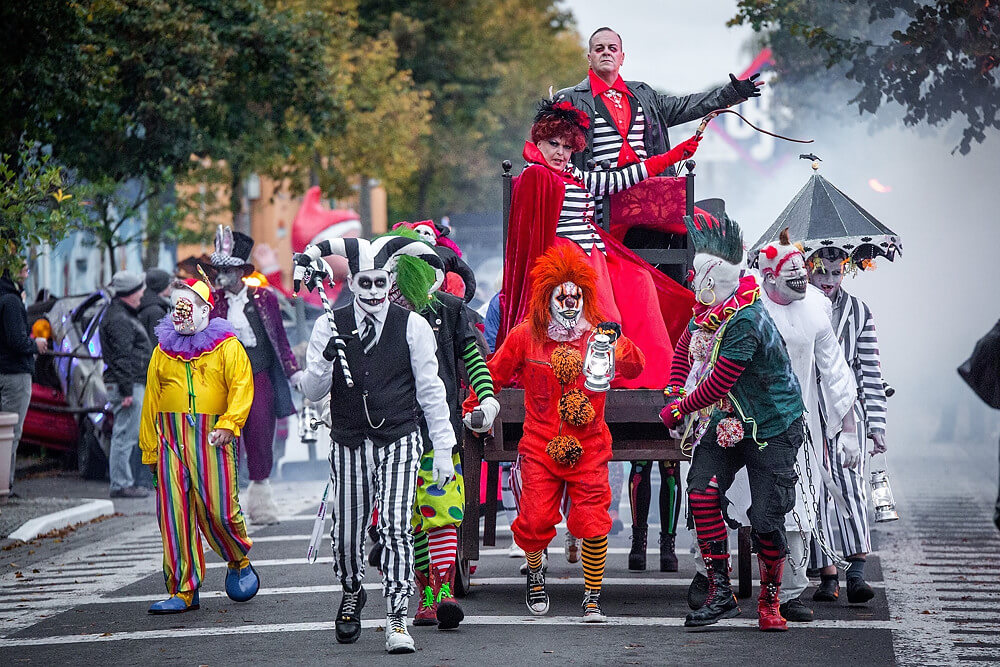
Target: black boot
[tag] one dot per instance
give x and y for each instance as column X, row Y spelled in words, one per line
column 697, row 591
column 375, row 555
column 637, row 556
column 668, row 559
column 720, row 602
column 348, row 624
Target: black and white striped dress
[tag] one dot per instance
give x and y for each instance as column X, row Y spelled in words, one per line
column 576, row 219
column 608, row 143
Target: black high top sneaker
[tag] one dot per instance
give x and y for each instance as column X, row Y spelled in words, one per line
column 668, row 559
column 535, row 595
column 720, row 602
column 348, row 622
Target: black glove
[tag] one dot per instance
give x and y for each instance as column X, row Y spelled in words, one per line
column 330, row 352
column 745, row 88
column 613, row 327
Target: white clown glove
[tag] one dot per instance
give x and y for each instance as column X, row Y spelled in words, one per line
column 444, row 467
column 490, row 408
column 296, row 379
column 850, row 449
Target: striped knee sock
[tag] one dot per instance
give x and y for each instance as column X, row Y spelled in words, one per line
column 595, row 553
column 421, row 553
column 768, row 549
column 443, row 543
column 534, row 559
column 706, row 508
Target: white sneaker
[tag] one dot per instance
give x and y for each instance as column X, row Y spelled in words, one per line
column 572, row 546
column 515, row 551
column 259, row 505
column 592, row 612
column 397, row 639
column 545, row 564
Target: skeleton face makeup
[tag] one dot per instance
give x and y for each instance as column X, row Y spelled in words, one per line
column 826, row 274
column 426, row 233
column 789, row 283
column 715, row 279
column 371, row 289
column 566, row 305
column 190, row 313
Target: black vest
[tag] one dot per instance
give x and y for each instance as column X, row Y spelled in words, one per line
column 261, row 355
column 384, row 390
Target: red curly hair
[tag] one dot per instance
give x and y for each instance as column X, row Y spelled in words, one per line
column 560, row 264
column 558, row 128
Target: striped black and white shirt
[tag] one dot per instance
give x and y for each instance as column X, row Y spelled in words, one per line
column 608, row 143
column 855, row 327
column 576, row 219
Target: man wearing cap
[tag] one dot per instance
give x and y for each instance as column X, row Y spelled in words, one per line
column 154, row 305
column 199, row 392
column 255, row 316
column 126, row 348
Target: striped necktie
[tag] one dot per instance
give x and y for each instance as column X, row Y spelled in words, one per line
column 368, row 334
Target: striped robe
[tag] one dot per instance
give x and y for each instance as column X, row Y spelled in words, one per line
column 608, row 142
column 855, row 327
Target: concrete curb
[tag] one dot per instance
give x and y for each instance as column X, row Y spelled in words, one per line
column 61, row 519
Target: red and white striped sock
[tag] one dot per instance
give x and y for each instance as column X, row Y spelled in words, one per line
column 443, row 543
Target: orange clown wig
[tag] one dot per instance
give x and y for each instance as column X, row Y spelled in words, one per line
column 560, row 264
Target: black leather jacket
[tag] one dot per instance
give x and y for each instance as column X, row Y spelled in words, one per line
column 660, row 111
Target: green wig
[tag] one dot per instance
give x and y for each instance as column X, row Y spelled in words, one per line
column 724, row 240
column 414, row 276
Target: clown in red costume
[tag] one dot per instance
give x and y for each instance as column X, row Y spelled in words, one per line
column 566, row 444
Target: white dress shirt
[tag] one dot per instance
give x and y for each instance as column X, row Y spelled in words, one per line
column 238, row 318
column 431, row 397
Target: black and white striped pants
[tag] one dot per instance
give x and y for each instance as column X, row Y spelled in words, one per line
column 383, row 477
column 846, row 528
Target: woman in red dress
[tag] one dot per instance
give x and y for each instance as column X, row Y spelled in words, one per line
column 552, row 203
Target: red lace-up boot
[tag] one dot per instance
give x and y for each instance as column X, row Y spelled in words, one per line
column 427, row 604
column 770, row 618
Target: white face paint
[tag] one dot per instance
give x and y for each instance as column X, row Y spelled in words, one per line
column 789, row 284
column 190, row 313
column 566, row 305
column 426, row 234
column 371, row 289
column 826, row 274
column 715, row 279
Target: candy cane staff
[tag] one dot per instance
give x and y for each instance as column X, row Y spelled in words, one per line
column 751, row 400
column 566, row 444
column 375, row 430
column 439, row 510
column 199, row 390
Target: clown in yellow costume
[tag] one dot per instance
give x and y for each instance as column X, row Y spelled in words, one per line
column 198, row 393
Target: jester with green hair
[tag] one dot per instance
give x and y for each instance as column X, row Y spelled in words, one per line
column 732, row 368
column 438, row 512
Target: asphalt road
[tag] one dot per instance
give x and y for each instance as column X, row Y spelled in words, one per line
column 935, row 573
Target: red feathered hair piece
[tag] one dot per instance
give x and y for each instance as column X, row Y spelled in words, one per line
column 555, row 120
column 560, row 264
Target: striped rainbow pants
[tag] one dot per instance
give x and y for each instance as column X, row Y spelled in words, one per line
column 196, row 488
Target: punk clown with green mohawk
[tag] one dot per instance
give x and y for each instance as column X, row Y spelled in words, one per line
column 438, row 512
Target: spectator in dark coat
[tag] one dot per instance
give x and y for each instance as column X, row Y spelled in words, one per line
column 154, row 305
column 17, row 357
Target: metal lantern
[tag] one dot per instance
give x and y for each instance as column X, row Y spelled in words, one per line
column 599, row 366
column 885, row 505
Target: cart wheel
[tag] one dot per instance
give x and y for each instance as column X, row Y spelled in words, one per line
column 463, row 578
column 745, row 588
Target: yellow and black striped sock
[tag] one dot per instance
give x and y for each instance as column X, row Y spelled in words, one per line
column 534, row 559
column 595, row 553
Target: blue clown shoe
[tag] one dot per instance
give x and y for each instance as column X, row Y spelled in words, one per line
column 242, row 584
column 174, row 604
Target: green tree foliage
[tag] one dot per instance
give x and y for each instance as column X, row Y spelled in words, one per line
column 35, row 206
column 937, row 59
column 484, row 64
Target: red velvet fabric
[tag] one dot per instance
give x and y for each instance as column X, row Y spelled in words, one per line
column 658, row 203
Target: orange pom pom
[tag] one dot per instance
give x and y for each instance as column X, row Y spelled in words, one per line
column 566, row 363
column 564, row 449
column 575, row 408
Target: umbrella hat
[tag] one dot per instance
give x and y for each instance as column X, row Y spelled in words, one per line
column 821, row 216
